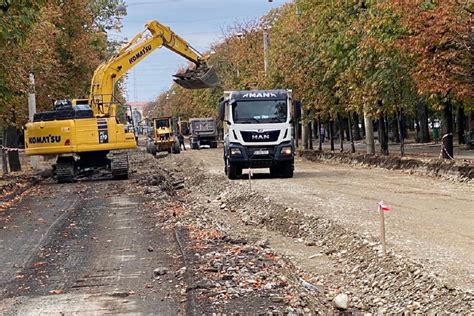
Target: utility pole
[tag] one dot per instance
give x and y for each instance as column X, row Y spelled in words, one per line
column 265, row 50
column 34, row 161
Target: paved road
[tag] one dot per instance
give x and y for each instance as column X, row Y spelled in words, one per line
column 431, row 219
column 84, row 248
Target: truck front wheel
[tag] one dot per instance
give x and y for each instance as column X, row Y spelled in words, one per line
column 283, row 170
column 151, row 148
column 232, row 171
column 287, row 170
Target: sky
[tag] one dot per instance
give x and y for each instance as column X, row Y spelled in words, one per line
column 200, row 22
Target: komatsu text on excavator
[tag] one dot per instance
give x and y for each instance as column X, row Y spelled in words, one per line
column 85, row 134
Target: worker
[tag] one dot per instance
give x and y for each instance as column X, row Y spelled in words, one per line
column 322, row 133
column 181, row 140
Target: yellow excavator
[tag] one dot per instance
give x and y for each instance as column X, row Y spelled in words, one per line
column 85, row 134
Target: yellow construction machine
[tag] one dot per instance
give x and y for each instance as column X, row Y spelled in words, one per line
column 163, row 137
column 85, row 134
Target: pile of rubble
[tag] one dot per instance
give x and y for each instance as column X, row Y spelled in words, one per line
column 224, row 273
column 13, row 185
column 153, row 177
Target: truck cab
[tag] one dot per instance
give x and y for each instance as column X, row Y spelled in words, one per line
column 258, row 131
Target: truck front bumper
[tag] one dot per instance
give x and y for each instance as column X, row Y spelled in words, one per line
column 260, row 156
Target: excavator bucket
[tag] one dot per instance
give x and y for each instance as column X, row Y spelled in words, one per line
column 202, row 77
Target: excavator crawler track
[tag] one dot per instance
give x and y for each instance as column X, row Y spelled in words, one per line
column 119, row 165
column 65, row 170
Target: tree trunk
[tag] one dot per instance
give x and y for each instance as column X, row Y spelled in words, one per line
column 351, row 134
column 319, row 133
column 404, row 128
column 422, row 111
column 401, row 121
column 331, row 133
column 341, row 133
column 383, row 137
column 357, row 135
column 315, row 129
column 346, row 126
column 395, row 128
column 471, row 122
column 470, row 128
column 4, row 153
column 369, row 134
column 362, row 130
column 297, row 133
column 460, row 119
column 448, row 146
column 12, row 142
column 305, row 135
column 310, row 134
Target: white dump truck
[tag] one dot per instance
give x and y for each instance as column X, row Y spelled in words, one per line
column 258, row 131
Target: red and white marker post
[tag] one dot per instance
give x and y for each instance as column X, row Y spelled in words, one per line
column 250, row 178
column 382, row 210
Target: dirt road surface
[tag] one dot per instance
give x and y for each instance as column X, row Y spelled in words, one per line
column 179, row 238
column 84, row 248
column 131, row 247
column 431, row 220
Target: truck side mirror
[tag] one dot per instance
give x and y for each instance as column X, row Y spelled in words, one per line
column 222, row 110
column 297, row 110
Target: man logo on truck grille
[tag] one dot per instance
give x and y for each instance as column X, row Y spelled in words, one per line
column 260, row 137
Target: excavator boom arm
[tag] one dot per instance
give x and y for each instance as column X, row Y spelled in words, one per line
column 140, row 46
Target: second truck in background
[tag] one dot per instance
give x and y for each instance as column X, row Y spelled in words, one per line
column 203, row 131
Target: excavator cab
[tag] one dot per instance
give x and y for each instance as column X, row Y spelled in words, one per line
column 201, row 77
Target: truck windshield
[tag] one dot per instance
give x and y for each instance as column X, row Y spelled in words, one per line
column 162, row 123
column 261, row 111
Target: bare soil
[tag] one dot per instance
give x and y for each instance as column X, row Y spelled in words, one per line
column 430, row 221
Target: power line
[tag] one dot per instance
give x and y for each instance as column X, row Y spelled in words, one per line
column 181, row 34
column 149, row 2
column 200, row 20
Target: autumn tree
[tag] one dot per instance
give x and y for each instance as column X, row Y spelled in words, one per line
column 387, row 59
column 439, row 42
column 61, row 43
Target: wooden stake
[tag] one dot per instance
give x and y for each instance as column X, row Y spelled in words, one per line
column 250, row 179
column 382, row 230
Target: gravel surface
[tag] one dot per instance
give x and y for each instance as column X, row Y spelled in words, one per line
column 180, row 238
column 333, row 226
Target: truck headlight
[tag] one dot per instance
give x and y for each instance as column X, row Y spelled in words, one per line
column 235, row 152
column 287, row 151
